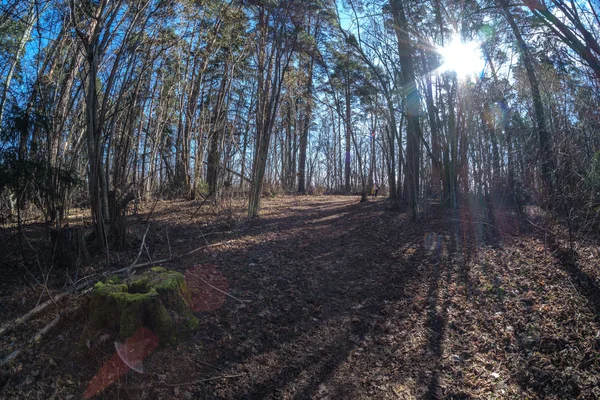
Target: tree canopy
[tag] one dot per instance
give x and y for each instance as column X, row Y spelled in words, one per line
column 110, row 101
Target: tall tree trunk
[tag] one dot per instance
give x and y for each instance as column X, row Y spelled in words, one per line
column 214, row 153
column 96, row 178
column 272, row 69
column 348, row 121
column 305, row 129
column 436, row 165
column 538, row 107
column 412, row 106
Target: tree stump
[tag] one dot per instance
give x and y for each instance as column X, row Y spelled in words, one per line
column 157, row 300
column 69, row 247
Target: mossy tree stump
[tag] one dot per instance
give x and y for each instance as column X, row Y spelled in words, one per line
column 157, row 300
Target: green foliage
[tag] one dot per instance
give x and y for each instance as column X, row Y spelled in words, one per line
column 35, row 181
column 11, row 31
column 202, row 188
column 17, row 174
column 23, row 172
column 352, row 40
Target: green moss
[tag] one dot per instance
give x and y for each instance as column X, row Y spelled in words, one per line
column 140, row 285
column 168, row 280
column 145, row 301
column 131, row 319
column 108, row 287
column 114, row 279
column 125, row 298
column 192, row 323
column 162, row 324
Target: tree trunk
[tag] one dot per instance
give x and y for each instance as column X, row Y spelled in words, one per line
column 538, row 107
column 412, row 106
column 270, row 81
column 214, row 152
column 348, row 121
column 305, row 129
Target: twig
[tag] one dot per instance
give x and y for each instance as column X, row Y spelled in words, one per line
column 7, row 239
column 85, row 278
column 141, row 247
column 168, row 241
column 22, row 264
column 19, row 321
column 152, row 210
column 210, row 365
column 546, row 230
column 217, row 289
column 204, row 237
column 201, row 204
column 147, row 252
column 48, row 291
column 214, row 378
column 10, row 357
column 38, row 336
column 136, row 266
column 166, row 260
column 206, row 246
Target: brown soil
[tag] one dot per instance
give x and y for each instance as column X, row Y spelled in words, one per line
column 329, row 298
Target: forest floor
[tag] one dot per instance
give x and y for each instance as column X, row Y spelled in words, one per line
column 329, row 298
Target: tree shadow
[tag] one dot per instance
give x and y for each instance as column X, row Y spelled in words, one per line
column 437, row 314
column 322, row 358
column 323, row 285
column 536, row 365
column 584, row 283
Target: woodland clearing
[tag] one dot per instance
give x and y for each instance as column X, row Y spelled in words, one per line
column 331, row 298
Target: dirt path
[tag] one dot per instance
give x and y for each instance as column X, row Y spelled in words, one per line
column 342, row 300
column 321, row 276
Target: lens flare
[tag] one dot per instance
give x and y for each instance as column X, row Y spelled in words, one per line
column 128, row 355
column 207, row 288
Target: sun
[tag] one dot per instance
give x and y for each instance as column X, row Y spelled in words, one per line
column 464, row 58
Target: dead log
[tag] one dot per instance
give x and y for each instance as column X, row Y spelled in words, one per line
column 37, row 336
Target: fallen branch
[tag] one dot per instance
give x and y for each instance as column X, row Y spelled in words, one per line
column 214, row 378
column 88, row 285
column 122, row 272
column 126, row 270
column 10, row 357
column 141, row 247
column 217, row 289
column 201, row 204
column 53, row 300
column 38, row 336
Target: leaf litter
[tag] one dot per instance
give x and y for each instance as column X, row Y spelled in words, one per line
column 329, row 298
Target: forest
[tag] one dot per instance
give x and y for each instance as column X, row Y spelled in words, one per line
column 324, row 199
